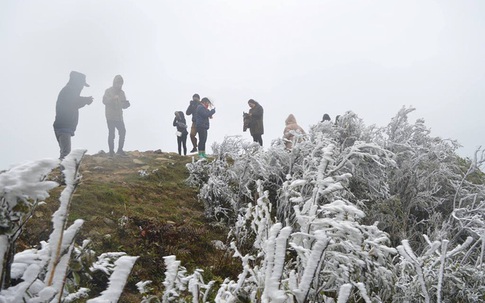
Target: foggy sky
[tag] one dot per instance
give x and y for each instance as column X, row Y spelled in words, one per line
column 305, row 57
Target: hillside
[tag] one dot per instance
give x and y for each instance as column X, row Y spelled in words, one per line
column 350, row 213
column 141, row 205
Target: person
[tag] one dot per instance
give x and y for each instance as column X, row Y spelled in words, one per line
column 337, row 119
column 202, row 115
column 194, row 103
column 326, row 117
column 115, row 102
column 256, row 127
column 290, row 129
column 180, row 122
column 68, row 104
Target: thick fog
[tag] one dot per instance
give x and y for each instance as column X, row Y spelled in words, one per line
column 301, row 57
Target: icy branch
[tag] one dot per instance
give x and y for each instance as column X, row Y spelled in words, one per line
column 117, row 280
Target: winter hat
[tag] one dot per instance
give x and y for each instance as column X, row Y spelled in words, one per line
column 78, row 77
column 290, row 120
column 118, row 79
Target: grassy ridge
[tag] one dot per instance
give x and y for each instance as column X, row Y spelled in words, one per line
column 141, row 205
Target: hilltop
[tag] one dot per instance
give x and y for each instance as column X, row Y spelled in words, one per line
column 350, row 213
column 141, row 205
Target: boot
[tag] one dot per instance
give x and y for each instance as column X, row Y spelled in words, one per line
column 193, row 139
column 121, row 143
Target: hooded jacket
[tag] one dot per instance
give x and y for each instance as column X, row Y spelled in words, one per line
column 68, row 104
column 291, row 128
column 256, row 126
column 115, row 101
column 202, row 115
column 180, row 122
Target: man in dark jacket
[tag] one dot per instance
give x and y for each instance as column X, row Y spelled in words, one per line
column 68, row 104
column 194, row 103
column 256, row 127
column 115, row 102
column 202, row 116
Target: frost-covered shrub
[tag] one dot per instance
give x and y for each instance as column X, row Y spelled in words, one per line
column 327, row 251
column 322, row 248
column 421, row 184
column 228, row 182
column 22, row 189
column 327, row 213
column 180, row 286
column 308, row 243
column 441, row 273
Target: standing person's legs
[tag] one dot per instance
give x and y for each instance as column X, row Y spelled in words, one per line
column 179, row 145
column 255, row 138
column 111, row 137
column 64, row 140
column 193, row 138
column 202, row 139
column 120, row 125
column 259, row 139
column 184, row 142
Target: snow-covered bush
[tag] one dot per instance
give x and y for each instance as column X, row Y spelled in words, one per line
column 441, row 273
column 227, row 183
column 179, row 285
column 323, row 247
column 421, row 183
column 22, row 189
column 318, row 223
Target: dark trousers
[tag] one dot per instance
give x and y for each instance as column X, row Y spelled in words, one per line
column 258, row 138
column 64, row 140
column 182, row 142
column 120, row 126
column 202, row 139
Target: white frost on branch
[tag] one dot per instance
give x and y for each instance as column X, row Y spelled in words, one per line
column 344, row 293
column 117, row 280
column 26, row 181
column 105, row 262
